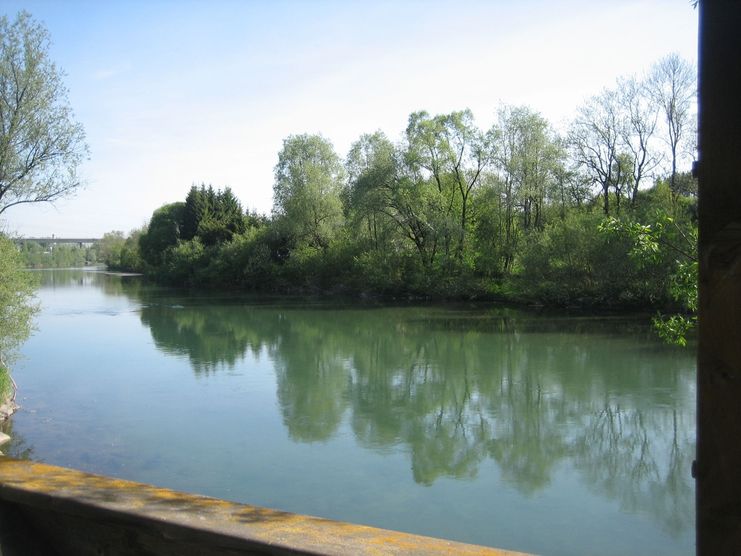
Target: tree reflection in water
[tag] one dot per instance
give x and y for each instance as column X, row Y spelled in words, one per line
column 454, row 387
column 17, row 447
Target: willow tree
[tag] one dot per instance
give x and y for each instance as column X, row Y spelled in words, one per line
column 41, row 144
column 308, row 188
column 372, row 172
column 452, row 154
column 16, row 310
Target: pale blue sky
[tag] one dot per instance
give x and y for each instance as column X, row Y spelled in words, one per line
column 173, row 93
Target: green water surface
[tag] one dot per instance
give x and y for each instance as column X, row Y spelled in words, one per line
column 544, row 433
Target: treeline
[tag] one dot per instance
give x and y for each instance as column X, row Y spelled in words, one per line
column 603, row 214
column 37, row 255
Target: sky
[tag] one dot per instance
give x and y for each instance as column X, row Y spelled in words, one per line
column 176, row 93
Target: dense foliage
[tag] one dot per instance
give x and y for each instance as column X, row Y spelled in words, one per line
column 16, row 308
column 602, row 215
column 38, row 255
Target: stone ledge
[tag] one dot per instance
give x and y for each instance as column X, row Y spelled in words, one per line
column 80, row 513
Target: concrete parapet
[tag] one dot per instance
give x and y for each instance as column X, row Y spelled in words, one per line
column 53, row 510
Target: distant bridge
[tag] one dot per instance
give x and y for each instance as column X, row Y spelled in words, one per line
column 51, row 241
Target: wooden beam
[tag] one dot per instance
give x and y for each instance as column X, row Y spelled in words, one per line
column 718, row 466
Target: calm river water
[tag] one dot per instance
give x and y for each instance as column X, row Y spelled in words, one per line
column 547, row 434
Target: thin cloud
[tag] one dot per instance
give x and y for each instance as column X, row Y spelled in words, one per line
column 113, row 71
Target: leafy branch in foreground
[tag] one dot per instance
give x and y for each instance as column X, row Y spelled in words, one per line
column 665, row 239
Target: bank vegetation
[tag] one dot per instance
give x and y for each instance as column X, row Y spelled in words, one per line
column 602, row 214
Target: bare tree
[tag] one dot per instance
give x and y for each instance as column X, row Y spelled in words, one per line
column 595, row 140
column 41, row 145
column 673, row 84
column 639, row 125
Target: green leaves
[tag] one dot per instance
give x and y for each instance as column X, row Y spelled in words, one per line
column 308, row 190
column 213, row 216
column 162, row 233
column 17, row 306
column 451, row 209
column 645, row 245
column 667, row 241
column 673, row 329
column 41, row 144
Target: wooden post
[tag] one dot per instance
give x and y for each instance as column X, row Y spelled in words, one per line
column 718, row 465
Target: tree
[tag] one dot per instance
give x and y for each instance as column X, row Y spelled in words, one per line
column 505, row 137
column 163, row 232
column 195, row 209
column 529, row 160
column 211, row 215
column 386, row 188
column 308, row 190
column 41, row 144
column 130, row 257
column 673, row 84
column 672, row 243
column 638, row 128
column 371, row 169
column 109, row 248
column 595, row 138
column 455, row 153
column 16, row 309
column 228, row 218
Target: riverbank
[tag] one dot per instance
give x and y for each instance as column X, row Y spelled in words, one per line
column 7, row 395
column 7, row 403
column 7, row 408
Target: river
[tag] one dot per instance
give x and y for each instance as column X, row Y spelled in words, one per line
column 543, row 433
